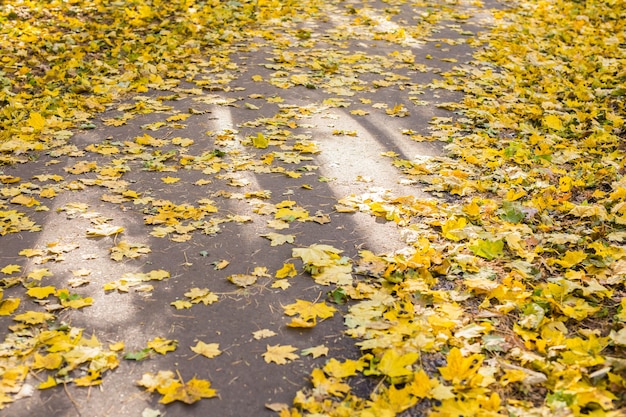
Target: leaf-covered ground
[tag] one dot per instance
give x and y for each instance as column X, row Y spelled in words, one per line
column 339, row 208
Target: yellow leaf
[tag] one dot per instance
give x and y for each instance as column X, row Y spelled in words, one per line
column 332, row 385
column 571, row 258
column 280, row 354
column 488, row 249
column 263, row 333
column 450, row 228
column 242, row 280
column 25, row 201
column 288, row 270
column 460, row 370
column 316, row 351
column 553, row 122
column 41, row 292
column 48, row 383
column 47, row 193
column 50, row 361
column 421, row 384
column 39, row 274
column 210, row 350
column 128, row 250
column 34, row 317
column 104, row 230
column 283, row 285
column 513, row 195
column 29, row 253
column 260, row 141
column 398, row 111
column 36, row 121
column 198, row 295
column 277, row 239
column 8, row 306
column 89, row 380
column 170, row 180
column 261, row 271
column 221, row 264
column 10, row 269
column 81, row 272
column 396, row 365
column 184, row 142
column 308, row 312
column 155, row 382
column 343, row 369
column 301, row 79
column 181, row 117
column 162, row 346
column 194, row 390
column 117, row 346
column 181, row 304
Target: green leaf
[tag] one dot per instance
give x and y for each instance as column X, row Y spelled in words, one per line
column 512, row 212
column 338, row 296
column 488, row 249
column 139, row 355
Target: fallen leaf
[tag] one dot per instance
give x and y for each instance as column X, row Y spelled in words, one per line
column 242, row 280
column 280, row 354
column 210, row 350
column 162, row 346
column 316, row 351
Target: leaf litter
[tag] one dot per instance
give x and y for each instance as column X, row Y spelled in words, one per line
column 507, row 300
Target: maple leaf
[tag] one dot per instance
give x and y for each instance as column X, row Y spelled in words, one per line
column 8, row 306
column 261, row 271
column 277, row 239
column 11, row 269
column 487, row 249
column 260, row 141
column 288, row 270
column 162, row 346
column 263, row 333
column 343, row 369
column 170, row 180
column 33, row 317
column 395, row 365
column 316, row 351
column 50, row 361
column 280, row 354
column 198, row 295
column 36, row 121
column 48, row 383
column 460, row 370
column 41, row 292
column 332, row 386
column 210, row 350
column 242, row 280
column 188, row 393
column 39, row 274
column 308, row 313
column 153, row 382
column 181, row 304
column 128, row 250
column 104, row 230
column 73, row 300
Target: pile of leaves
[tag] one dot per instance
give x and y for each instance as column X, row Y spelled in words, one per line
column 511, row 299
